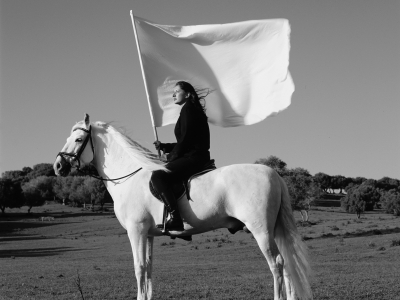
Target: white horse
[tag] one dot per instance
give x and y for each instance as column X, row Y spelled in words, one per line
column 228, row 197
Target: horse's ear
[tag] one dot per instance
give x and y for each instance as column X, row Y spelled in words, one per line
column 87, row 122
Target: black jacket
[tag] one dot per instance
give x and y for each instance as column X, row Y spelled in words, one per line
column 192, row 134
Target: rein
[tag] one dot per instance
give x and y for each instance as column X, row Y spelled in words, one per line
column 106, row 179
column 77, row 156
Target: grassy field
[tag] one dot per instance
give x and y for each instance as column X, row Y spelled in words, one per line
column 351, row 259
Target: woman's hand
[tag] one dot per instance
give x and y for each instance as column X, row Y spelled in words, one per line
column 157, row 144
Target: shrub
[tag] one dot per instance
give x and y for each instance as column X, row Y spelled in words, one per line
column 10, row 194
column 37, row 191
column 395, row 243
column 360, row 198
column 391, row 201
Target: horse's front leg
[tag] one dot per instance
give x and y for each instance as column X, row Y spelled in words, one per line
column 138, row 238
column 149, row 266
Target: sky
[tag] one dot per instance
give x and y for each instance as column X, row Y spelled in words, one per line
column 60, row 59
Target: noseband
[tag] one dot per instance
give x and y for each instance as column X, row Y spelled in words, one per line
column 77, row 156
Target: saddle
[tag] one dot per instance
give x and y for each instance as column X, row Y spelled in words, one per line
column 183, row 187
column 179, row 190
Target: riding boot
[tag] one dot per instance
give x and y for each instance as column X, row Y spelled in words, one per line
column 175, row 222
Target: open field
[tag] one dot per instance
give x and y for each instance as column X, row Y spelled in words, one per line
column 351, row 259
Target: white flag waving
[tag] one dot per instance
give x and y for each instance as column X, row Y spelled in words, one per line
column 244, row 64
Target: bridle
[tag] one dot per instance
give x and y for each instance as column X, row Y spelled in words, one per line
column 77, row 156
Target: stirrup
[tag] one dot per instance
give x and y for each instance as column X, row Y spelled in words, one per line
column 163, row 226
column 164, row 220
column 175, row 222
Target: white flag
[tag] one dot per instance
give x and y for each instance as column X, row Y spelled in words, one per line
column 245, row 64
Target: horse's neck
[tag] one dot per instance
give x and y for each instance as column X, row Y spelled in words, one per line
column 111, row 159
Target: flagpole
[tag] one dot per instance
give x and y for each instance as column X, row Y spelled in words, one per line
column 144, row 79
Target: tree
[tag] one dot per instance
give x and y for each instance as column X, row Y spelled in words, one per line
column 273, row 162
column 299, row 183
column 3, row 193
column 350, row 186
column 360, row 198
column 353, row 204
column 15, row 176
column 387, row 183
column 339, row 182
column 38, row 190
column 79, row 193
column 10, row 194
column 369, row 182
column 43, row 169
column 359, row 180
column 62, row 188
column 302, row 188
column 324, row 181
column 84, row 171
column 32, row 196
column 391, row 201
column 98, row 192
column 27, row 170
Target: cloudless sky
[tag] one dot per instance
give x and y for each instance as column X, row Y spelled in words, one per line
column 60, row 59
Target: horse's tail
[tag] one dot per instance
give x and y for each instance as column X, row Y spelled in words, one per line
column 292, row 248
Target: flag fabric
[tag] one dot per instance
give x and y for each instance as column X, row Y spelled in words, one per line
column 244, row 64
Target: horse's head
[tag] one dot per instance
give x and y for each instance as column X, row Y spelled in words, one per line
column 77, row 151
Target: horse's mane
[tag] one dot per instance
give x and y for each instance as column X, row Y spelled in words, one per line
column 144, row 157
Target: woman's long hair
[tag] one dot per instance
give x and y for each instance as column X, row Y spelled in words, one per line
column 198, row 96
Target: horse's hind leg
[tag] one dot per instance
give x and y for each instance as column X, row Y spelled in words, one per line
column 275, row 261
column 290, row 294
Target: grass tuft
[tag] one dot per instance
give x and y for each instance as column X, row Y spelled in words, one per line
column 78, row 285
column 395, row 243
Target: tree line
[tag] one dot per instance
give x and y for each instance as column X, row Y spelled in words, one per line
column 361, row 194
column 34, row 186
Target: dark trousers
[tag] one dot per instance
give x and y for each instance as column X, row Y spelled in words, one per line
column 180, row 169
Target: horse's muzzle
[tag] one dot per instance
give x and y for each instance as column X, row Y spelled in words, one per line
column 61, row 166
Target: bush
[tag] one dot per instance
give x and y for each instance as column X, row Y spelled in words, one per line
column 360, row 198
column 391, row 201
column 395, row 243
column 37, row 191
column 10, row 194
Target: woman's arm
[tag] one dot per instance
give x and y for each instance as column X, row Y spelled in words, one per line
column 167, row 147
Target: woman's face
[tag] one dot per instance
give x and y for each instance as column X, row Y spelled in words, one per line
column 180, row 96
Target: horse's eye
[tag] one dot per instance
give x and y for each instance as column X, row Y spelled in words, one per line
column 78, row 140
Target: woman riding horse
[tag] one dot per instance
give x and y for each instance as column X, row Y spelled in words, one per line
column 188, row 155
